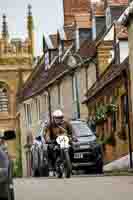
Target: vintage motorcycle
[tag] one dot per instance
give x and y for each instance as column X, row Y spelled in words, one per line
column 63, row 163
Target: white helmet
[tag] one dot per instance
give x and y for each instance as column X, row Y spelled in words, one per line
column 58, row 117
column 58, row 113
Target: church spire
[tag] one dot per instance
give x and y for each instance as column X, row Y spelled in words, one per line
column 5, row 33
column 30, row 27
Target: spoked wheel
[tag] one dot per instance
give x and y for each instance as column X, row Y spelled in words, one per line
column 59, row 169
column 59, row 172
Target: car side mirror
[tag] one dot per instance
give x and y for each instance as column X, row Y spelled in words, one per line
column 9, row 135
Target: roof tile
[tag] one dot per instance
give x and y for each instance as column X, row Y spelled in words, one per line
column 40, row 80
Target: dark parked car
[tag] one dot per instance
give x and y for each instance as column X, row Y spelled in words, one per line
column 86, row 152
column 6, row 181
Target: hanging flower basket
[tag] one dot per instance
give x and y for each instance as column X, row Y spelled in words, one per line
column 101, row 119
column 101, row 115
column 111, row 108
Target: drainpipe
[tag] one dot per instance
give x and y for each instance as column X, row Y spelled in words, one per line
column 128, row 118
column 20, row 144
column 49, row 106
column 77, row 96
column 93, row 20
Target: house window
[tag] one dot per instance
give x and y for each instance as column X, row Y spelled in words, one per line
column 60, row 96
column 3, row 100
column 28, row 116
column 37, row 102
column 75, row 87
column 47, row 64
column 44, row 101
column 124, row 109
column 39, row 109
column 75, row 96
column 25, row 112
column 114, row 121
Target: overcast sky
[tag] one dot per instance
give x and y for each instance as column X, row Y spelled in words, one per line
column 48, row 15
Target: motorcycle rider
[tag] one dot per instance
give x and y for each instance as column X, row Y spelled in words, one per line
column 58, row 126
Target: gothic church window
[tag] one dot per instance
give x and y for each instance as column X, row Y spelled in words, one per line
column 3, row 99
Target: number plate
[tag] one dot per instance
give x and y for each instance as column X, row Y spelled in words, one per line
column 78, row 155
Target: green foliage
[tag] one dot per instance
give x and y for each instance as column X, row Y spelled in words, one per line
column 111, row 108
column 17, row 168
column 101, row 114
column 110, row 140
column 104, row 140
column 103, row 111
column 17, row 164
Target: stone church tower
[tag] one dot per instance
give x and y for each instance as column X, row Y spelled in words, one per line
column 16, row 59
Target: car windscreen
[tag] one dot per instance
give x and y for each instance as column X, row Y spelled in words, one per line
column 81, row 129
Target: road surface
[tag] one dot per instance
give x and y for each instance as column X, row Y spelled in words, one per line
column 76, row 188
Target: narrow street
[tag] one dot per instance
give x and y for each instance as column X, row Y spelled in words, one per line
column 76, row 188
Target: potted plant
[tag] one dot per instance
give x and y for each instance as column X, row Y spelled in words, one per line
column 110, row 140
column 109, row 143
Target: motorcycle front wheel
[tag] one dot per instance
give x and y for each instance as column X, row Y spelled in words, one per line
column 67, row 165
column 59, row 172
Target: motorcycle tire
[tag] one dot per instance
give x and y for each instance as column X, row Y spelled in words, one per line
column 59, row 172
column 68, row 166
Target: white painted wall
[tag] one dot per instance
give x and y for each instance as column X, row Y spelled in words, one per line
column 124, row 52
column 110, row 34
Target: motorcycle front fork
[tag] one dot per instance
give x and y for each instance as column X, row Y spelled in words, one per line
column 60, row 161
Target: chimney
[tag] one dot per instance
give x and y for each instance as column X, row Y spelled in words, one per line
column 59, row 46
column 93, row 21
column 77, row 37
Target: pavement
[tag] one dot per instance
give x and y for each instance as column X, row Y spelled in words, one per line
column 119, row 164
column 75, row 188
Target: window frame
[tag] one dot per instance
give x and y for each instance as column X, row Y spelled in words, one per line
column 4, row 104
